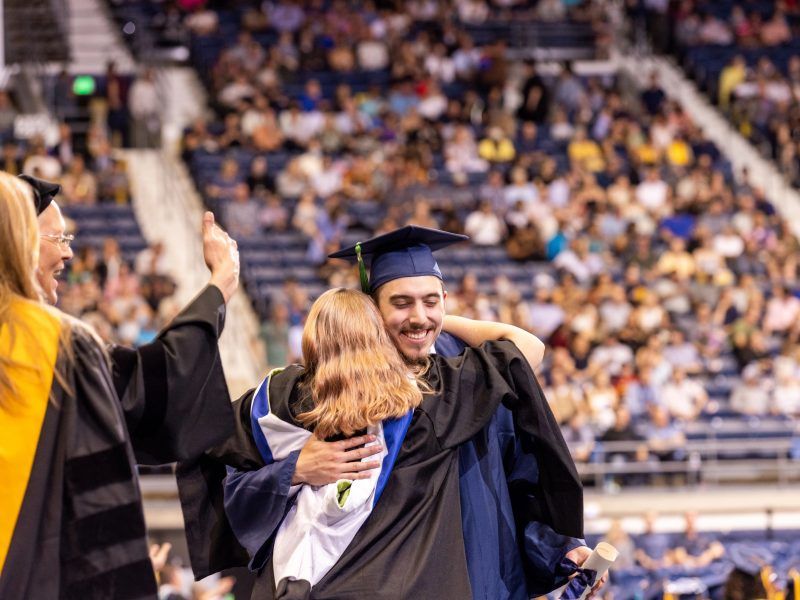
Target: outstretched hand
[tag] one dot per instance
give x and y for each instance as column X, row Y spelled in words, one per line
column 321, row 463
column 221, row 254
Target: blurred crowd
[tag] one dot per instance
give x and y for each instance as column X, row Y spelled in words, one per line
column 759, row 85
column 666, row 272
column 127, row 297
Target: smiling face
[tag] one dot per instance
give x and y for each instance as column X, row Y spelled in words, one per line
column 52, row 255
column 412, row 309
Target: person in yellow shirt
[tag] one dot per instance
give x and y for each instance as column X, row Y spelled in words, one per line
column 496, row 147
column 731, row 76
column 679, row 152
column 584, row 152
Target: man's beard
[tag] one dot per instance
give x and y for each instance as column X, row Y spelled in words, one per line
column 417, row 364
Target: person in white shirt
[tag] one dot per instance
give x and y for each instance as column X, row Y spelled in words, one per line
column 684, row 398
column 485, row 227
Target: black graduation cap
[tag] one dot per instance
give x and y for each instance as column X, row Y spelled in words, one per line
column 43, row 192
column 404, row 252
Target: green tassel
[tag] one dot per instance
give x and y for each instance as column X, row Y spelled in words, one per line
column 362, row 270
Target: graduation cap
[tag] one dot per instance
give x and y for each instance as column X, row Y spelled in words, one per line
column 43, row 192
column 404, row 252
column 750, row 558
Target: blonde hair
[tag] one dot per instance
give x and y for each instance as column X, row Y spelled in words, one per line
column 354, row 374
column 19, row 257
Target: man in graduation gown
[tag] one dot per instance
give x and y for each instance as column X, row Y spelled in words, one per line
column 74, row 525
column 509, row 501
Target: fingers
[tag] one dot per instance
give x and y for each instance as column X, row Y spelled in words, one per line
column 364, row 465
column 354, row 476
column 356, row 442
column 361, row 453
column 208, row 221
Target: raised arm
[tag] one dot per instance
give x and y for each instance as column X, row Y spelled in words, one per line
column 475, row 333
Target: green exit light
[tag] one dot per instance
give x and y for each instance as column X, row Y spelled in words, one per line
column 84, row 85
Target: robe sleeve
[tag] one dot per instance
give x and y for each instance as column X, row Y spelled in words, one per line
column 256, row 503
column 212, row 537
column 469, row 388
column 173, row 390
column 554, row 496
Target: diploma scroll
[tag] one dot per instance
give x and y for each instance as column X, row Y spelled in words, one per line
column 591, row 571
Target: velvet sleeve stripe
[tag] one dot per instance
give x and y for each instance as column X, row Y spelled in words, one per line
column 156, row 388
column 123, row 583
column 112, row 526
column 86, row 473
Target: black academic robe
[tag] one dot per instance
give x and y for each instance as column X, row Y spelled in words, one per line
column 78, row 531
column 412, row 544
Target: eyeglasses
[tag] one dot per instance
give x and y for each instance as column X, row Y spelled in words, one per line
column 62, row 240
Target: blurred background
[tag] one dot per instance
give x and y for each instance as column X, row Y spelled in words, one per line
column 627, row 171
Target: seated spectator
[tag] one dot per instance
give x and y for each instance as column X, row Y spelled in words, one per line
column 615, row 310
column 676, row 261
column 635, row 447
column 730, row 77
column 546, row 313
column 274, row 334
column 113, row 184
column 461, row 153
column 682, row 354
column 579, row 261
column 565, row 397
column 484, row 226
column 693, row 550
column 664, row 439
column 579, row 437
column 776, row 30
column 684, row 398
column 651, row 546
column 273, row 215
column 785, row 397
column 601, row 400
column 782, row 311
column 78, row 185
column 496, row 147
column 241, row 213
column 291, row 182
column 584, row 153
column 39, row 163
column 611, row 355
column 751, row 395
column 654, row 194
column 623, row 542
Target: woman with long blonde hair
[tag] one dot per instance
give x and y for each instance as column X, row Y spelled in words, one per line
column 71, row 520
column 397, row 533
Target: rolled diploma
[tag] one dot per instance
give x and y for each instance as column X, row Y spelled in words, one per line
column 599, row 561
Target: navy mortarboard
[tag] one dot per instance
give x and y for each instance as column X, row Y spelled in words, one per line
column 750, row 558
column 43, row 192
column 404, row 252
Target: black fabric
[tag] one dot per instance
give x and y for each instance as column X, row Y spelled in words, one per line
column 212, row 545
column 86, row 473
column 412, row 544
column 289, row 589
column 156, row 389
column 101, row 529
column 557, row 497
column 124, row 583
column 56, row 527
column 43, row 192
column 173, row 390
